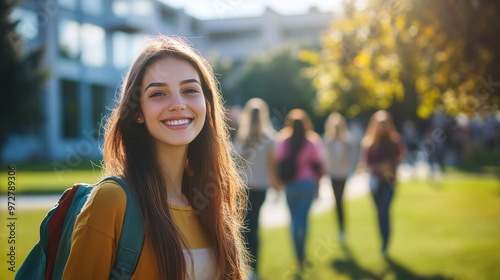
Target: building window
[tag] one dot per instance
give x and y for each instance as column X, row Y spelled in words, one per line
column 68, row 4
column 93, row 45
column 123, row 8
column 222, row 36
column 70, row 109
column 98, row 108
column 93, row 7
column 125, row 48
column 69, row 39
column 168, row 17
column 28, row 26
column 142, row 7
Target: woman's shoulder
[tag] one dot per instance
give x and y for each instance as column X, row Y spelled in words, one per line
column 109, row 188
column 104, row 208
column 108, row 194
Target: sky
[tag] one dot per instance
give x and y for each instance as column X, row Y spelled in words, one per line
column 220, row 9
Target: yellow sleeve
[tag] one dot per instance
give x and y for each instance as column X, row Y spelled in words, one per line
column 97, row 233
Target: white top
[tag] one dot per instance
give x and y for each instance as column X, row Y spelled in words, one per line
column 255, row 172
column 340, row 158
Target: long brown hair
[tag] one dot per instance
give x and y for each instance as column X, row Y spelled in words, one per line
column 297, row 127
column 380, row 128
column 210, row 181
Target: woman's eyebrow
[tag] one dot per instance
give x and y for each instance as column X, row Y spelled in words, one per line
column 156, row 85
column 188, row 81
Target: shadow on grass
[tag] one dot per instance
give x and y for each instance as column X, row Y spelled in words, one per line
column 402, row 272
column 351, row 268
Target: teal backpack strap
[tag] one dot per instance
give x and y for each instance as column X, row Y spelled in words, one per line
column 131, row 238
column 79, row 200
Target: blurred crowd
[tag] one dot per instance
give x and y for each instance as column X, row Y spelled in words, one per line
column 294, row 158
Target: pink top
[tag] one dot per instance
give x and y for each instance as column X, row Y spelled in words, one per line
column 307, row 157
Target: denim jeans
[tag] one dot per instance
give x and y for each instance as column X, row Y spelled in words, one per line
column 382, row 196
column 299, row 197
column 255, row 199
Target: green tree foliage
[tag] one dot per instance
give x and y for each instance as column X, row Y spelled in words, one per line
column 22, row 79
column 277, row 78
column 224, row 70
column 410, row 57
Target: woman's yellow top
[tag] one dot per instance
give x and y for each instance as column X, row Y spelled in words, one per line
column 97, row 234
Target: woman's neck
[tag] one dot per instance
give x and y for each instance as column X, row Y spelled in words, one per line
column 172, row 161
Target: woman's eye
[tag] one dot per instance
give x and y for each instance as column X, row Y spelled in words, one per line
column 156, row 94
column 191, row 90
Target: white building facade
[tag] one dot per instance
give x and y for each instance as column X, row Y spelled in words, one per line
column 90, row 43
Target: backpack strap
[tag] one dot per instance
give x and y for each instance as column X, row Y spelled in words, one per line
column 131, row 238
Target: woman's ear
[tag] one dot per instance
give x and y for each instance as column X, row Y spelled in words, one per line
column 139, row 118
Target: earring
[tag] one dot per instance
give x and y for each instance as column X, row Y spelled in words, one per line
column 138, row 119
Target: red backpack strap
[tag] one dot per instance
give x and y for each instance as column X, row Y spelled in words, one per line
column 55, row 228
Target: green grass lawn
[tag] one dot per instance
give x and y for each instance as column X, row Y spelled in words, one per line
column 48, row 179
column 449, row 230
column 446, row 230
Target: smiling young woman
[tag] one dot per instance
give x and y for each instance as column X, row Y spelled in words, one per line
column 190, row 194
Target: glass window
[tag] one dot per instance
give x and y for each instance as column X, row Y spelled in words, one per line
column 121, row 8
column 125, row 48
column 93, row 7
column 120, row 42
column 98, row 108
column 68, row 4
column 70, row 108
column 142, row 7
column 124, row 8
column 168, row 17
column 28, row 25
column 93, row 45
column 69, row 41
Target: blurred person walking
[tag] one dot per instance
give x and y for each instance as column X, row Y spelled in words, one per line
column 310, row 133
column 340, row 158
column 301, row 188
column 382, row 150
column 256, row 144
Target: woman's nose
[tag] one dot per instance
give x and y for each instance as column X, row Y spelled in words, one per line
column 177, row 102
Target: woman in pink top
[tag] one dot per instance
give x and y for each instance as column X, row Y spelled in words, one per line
column 301, row 189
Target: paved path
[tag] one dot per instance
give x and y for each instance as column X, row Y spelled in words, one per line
column 274, row 211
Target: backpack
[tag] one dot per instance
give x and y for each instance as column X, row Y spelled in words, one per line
column 48, row 257
column 287, row 168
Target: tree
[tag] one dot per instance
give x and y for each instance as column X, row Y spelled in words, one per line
column 410, row 57
column 226, row 72
column 22, row 79
column 277, row 78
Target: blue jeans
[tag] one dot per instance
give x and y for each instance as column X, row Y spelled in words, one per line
column 299, row 197
column 382, row 196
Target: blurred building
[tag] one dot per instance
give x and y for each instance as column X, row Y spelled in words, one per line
column 90, row 43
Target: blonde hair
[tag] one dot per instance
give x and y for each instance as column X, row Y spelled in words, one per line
column 129, row 151
column 255, row 121
column 336, row 127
